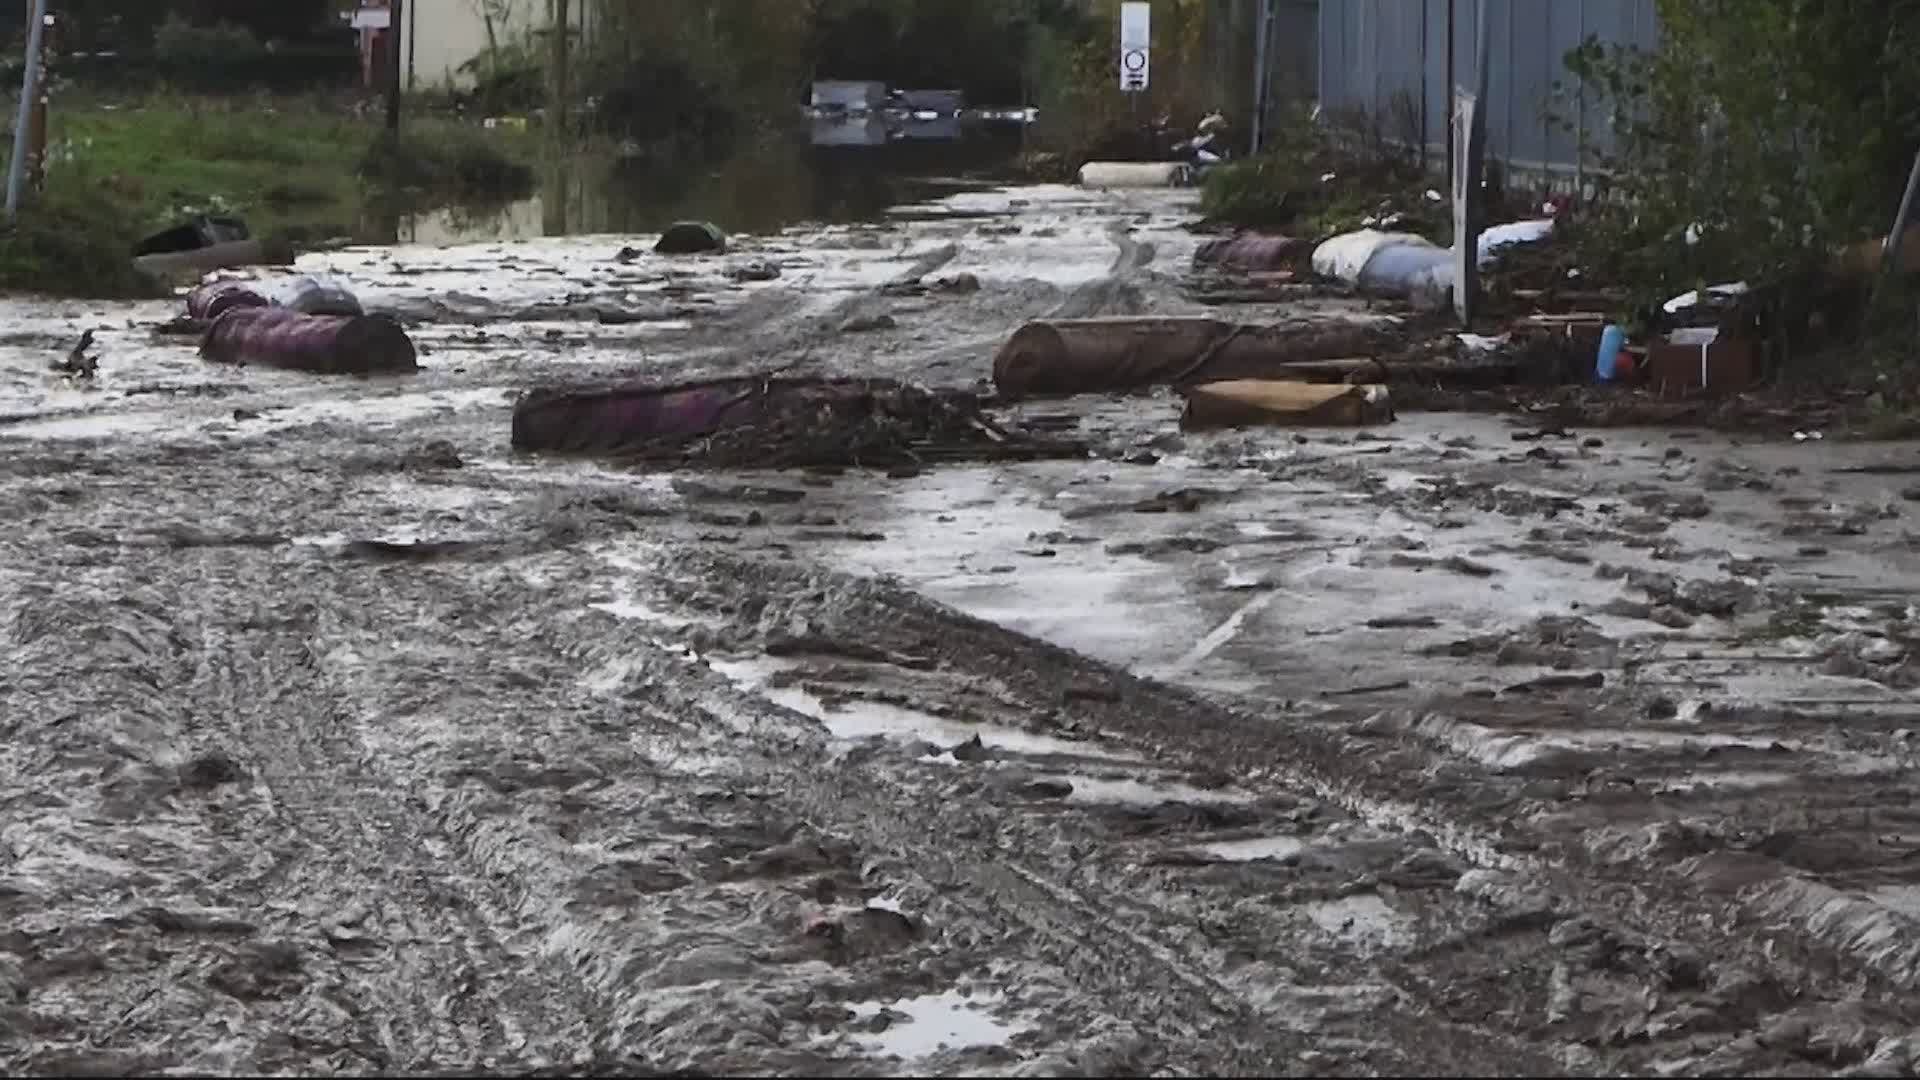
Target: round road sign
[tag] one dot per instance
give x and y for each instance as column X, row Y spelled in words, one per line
column 1134, row 59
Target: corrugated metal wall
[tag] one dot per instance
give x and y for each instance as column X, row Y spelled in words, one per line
column 1389, row 61
column 1293, row 66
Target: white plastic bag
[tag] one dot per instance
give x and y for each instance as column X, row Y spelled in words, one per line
column 311, row 295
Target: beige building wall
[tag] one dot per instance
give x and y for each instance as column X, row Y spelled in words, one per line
column 440, row 35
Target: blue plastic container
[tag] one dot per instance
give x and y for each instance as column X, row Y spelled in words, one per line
column 1612, row 340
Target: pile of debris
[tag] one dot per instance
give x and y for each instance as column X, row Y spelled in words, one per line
column 774, row 422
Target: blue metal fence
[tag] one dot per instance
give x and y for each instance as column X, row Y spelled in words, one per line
column 1395, row 62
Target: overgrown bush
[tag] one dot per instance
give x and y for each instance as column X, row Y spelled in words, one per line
column 182, row 42
column 1760, row 137
column 1083, row 113
column 73, row 240
column 1307, row 182
column 456, row 165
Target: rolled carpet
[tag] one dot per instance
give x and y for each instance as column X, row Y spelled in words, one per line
column 318, row 344
column 209, row 302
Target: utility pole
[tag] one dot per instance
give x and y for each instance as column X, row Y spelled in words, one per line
column 1262, row 78
column 37, row 123
column 562, row 87
column 23, row 120
column 396, row 57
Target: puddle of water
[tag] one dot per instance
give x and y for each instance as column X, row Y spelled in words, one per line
column 1732, row 780
column 1253, row 849
column 980, row 520
column 767, row 186
column 950, row 1021
column 1105, row 790
column 866, row 719
column 397, row 534
column 1364, row 918
column 1904, row 899
column 626, row 607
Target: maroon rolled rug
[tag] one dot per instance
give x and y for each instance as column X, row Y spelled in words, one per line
column 318, row 344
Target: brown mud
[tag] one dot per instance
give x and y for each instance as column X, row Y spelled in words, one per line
column 342, row 739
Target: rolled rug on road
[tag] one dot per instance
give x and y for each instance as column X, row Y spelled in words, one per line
column 1062, row 357
column 1254, row 252
column 772, row 423
column 316, row 344
column 629, row 420
column 209, row 302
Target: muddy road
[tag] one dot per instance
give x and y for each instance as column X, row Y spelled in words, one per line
column 339, row 739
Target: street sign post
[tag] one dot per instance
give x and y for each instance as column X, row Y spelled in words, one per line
column 1136, row 38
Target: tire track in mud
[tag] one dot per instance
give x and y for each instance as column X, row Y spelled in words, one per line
column 302, row 900
column 784, row 753
column 377, row 745
column 1108, row 892
column 433, row 746
column 1473, row 816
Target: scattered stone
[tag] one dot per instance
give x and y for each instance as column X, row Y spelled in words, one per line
column 971, row 750
column 438, row 454
column 1048, row 788
column 207, row 771
column 1671, row 617
column 690, row 238
column 864, row 323
column 958, row 283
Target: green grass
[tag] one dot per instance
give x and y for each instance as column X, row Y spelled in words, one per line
column 287, row 166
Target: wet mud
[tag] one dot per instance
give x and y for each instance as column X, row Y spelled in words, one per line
column 340, row 738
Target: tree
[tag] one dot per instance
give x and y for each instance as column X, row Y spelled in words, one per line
column 1761, row 135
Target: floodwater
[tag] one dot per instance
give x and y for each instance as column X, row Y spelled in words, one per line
column 1419, row 750
column 759, row 187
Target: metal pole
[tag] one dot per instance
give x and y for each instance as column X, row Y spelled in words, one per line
column 1480, row 50
column 561, row 88
column 1890, row 251
column 1423, row 159
column 37, row 125
column 396, row 60
column 1452, row 30
column 413, row 27
column 1261, row 49
column 17, row 168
